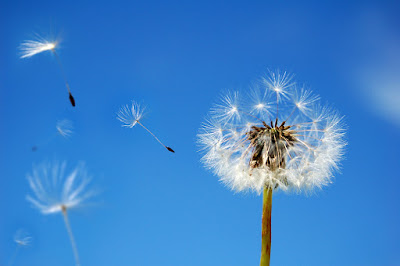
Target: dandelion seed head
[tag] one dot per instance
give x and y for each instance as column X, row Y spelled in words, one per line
column 55, row 190
column 130, row 115
column 30, row 48
column 22, row 238
column 295, row 146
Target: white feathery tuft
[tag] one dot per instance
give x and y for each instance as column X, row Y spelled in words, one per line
column 129, row 115
column 30, row 48
column 228, row 108
column 279, row 83
column 65, row 128
column 22, row 238
column 54, row 190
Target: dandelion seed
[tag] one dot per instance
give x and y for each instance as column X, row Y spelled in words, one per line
column 30, row 48
column 71, row 98
column 54, row 191
column 227, row 110
column 295, row 146
column 22, row 239
column 279, row 83
column 130, row 115
column 65, row 128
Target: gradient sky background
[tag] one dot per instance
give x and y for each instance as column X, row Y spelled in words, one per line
column 158, row 208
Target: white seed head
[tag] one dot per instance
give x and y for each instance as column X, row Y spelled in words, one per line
column 31, row 47
column 129, row 115
column 55, row 190
column 22, row 238
column 285, row 140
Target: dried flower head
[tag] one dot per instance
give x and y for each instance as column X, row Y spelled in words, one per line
column 55, row 191
column 31, row 47
column 22, row 238
column 279, row 137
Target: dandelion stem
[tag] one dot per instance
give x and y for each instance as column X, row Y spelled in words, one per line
column 71, row 236
column 266, row 227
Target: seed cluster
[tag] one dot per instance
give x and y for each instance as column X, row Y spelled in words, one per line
column 271, row 144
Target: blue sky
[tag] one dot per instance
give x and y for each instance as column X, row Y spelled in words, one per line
column 176, row 57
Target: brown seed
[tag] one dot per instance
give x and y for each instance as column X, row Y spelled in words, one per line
column 71, row 99
column 171, row 150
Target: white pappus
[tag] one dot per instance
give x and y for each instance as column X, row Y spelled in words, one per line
column 55, row 191
column 277, row 136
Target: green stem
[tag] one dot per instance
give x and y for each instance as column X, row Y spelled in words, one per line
column 266, row 227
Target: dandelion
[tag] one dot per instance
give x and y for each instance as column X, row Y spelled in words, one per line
column 130, row 115
column 30, row 48
column 57, row 192
column 22, row 239
column 278, row 138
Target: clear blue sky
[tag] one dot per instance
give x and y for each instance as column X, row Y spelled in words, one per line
column 158, row 208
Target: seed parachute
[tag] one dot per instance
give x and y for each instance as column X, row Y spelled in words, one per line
column 131, row 115
column 30, row 48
